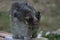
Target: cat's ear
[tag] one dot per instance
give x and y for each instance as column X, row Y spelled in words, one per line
column 38, row 15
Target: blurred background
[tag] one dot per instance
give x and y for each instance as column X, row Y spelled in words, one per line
column 50, row 14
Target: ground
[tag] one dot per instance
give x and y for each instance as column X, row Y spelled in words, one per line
column 4, row 35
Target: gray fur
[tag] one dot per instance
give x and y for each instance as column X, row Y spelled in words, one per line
column 19, row 28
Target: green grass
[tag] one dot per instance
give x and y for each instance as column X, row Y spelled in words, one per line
column 50, row 23
column 52, row 36
column 4, row 21
column 36, row 1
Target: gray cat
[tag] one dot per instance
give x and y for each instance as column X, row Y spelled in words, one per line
column 24, row 20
